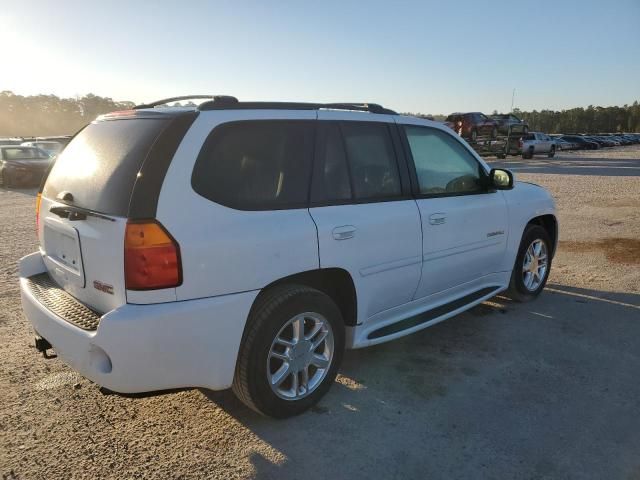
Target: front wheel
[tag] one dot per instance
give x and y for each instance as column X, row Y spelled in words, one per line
column 552, row 152
column 290, row 352
column 532, row 265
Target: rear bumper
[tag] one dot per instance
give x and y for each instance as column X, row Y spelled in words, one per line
column 141, row 348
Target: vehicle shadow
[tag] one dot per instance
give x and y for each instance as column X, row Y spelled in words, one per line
column 570, row 165
column 481, row 392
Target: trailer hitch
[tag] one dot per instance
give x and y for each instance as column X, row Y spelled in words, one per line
column 42, row 345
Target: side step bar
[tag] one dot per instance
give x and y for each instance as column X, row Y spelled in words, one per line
column 432, row 314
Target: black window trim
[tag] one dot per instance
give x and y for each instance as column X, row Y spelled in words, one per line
column 400, row 162
column 415, row 187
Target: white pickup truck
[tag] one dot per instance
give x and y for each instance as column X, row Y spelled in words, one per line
column 535, row 143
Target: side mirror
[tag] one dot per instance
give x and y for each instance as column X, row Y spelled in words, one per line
column 501, row 179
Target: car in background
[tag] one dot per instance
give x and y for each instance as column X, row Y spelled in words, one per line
column 581, row 142
column 537, row 143
column 594, row 138
column 605, row 141
column 562, row 144
column 507, row 122
column 472, row 125
column 22, row 165
column 51, row 147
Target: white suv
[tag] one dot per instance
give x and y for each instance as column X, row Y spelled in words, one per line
column 248, row 244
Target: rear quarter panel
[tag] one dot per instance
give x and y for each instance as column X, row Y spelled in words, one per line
column 224, row 250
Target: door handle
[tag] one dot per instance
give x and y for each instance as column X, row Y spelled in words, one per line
column 344, row 232
column 437, row 218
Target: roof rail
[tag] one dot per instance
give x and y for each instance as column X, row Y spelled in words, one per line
column 232, row 103
column 183, row 97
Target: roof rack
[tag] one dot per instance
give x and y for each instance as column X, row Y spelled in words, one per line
column 227, row 102
column 183, row 97
column 232, row 103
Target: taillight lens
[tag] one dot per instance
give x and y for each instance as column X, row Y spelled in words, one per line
column 151, row 257
column 38, row 200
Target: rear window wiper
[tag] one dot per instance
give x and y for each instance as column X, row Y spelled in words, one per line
column 75, row 213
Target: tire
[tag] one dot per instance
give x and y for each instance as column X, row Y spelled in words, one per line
column 518, row 290
column 528, row 153
column 494, row 133
column 271, row 318
column 474, row 135
column 552, row 152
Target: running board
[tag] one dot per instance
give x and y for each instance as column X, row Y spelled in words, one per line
column 432, row 314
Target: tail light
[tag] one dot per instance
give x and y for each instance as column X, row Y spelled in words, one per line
column 459, row 123
column 151, row 257
column 38, row 200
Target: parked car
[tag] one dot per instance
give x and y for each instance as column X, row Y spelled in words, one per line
column 52, row 148
column 536, row 143
column 472, row 125
column 22, row 165
column 246, row 244
column 582, row 143
column 592, row 138
column 562, row 144
column 605, row 141
column 507, row 121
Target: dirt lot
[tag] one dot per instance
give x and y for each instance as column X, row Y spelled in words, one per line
column 542, row 390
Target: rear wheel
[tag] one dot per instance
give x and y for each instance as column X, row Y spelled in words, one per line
column 532, row 266
column 528, row 153
column 291, row 350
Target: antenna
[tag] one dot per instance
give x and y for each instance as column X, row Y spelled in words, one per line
column 513, row 96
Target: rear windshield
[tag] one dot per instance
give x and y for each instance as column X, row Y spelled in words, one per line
column 24, row 153
column 100, row 165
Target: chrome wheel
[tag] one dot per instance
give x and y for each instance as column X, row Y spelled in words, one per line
column 534, row 266
column 300, row 356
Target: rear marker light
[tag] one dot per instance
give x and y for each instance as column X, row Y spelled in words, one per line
column 38, row 200
column 151, row 257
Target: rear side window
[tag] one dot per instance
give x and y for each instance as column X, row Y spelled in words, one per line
column 100, row 165
column 372, row 161
column 256, row 165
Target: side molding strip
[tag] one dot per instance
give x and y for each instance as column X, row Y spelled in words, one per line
column 429, row 315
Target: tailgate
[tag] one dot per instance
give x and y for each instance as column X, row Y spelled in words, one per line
column 85, row 205
column 85, row 257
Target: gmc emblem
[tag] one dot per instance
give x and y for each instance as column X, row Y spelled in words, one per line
column 103, row 287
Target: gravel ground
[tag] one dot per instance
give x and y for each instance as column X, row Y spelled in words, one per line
column 542, row 390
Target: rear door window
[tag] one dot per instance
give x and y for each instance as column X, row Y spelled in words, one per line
column 371, row 159
column 100, row 165
column 256, row 165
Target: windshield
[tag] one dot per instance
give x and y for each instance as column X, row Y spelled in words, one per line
column 24, row 153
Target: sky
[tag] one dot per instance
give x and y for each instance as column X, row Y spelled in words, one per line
column 412, row 56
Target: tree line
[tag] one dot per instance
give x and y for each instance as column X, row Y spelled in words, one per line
column 576, row 120
column 585, row 120
column 42, row 115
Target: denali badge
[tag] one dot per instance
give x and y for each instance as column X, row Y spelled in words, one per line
column 493, row 234
column 103, row 287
